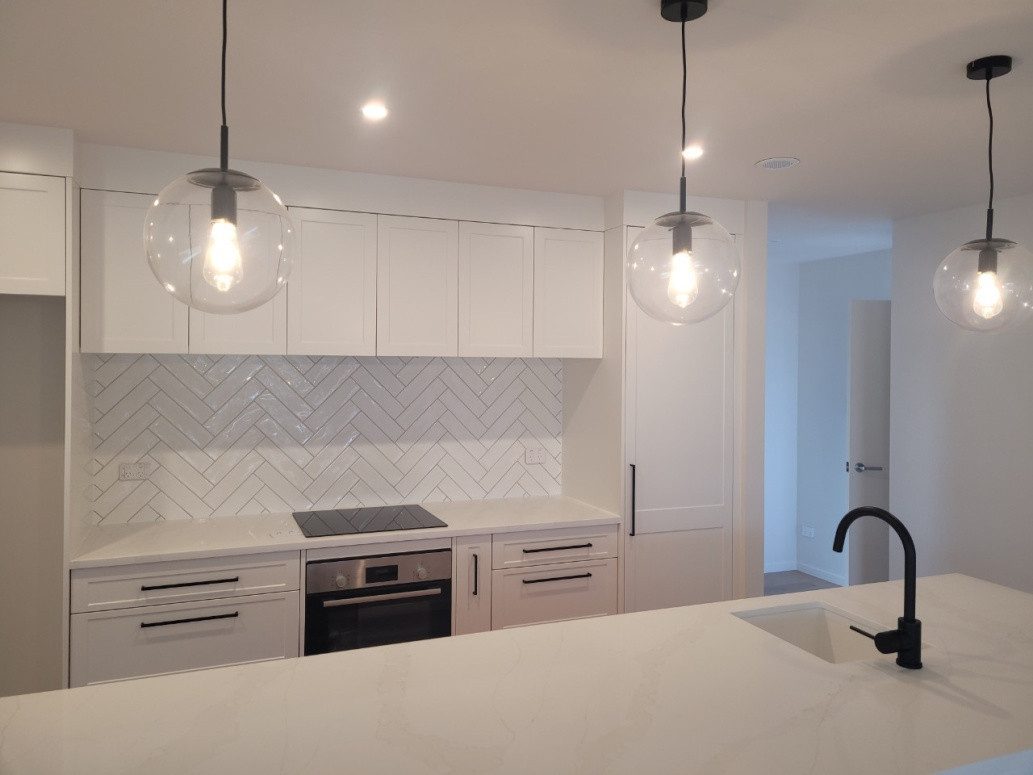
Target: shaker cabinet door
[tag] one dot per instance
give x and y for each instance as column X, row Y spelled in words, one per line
column 471, row 579
column 417, row 286
column 568, row 293
column 332, row 289
column 496, row 288
column 32, row 234
column 124, row 307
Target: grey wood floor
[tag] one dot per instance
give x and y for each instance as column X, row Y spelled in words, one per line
column 792, row 581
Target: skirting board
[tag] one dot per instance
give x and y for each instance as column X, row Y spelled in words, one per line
column 832, row 578
column 777, row 567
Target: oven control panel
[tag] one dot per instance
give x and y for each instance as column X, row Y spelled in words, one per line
column 379, row 571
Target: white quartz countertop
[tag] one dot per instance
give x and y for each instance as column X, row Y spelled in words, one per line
column 106, row 545
column 683, row 690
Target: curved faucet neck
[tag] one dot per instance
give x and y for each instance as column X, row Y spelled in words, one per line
column 910, row 562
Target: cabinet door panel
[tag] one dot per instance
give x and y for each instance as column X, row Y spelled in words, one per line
column 332, row 290
column 471, row 582
column 155, row 640
column 553, row 593
column 496, row 266
column 537, row 547
column 568, row 294
column 680, row 438
column 32, row 234
column 180, row 581
column 259, row 331
column 417, row 286
column 124, row 308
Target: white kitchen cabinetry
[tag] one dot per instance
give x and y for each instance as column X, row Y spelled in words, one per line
column 552, row 575
column 568, row 293
column 124, row 308
column 554, row 593
column 471, row 584
column 332, row 289
column 496, row 289
column 679, row 436
column 32, row 234
column 417, row 286
column 167, row 617
column 259, row 331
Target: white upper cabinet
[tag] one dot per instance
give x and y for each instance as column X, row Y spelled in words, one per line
column 32, row 234
column 417, row 286
column 568, row 293
column 124, row 308
column 496, row 288
column 259, row 331
column 332, row 288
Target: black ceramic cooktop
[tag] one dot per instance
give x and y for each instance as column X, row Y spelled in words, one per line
column 374, row 519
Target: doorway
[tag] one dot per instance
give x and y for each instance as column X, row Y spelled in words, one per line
column 807, row 429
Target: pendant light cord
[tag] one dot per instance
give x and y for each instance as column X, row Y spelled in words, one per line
column 990, row 162
column 224, row 150
column 684, row 83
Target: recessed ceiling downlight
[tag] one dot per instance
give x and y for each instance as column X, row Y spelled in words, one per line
column 778, row 163
column 374, row 111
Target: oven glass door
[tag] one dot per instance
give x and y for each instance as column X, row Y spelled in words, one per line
column 337, row 621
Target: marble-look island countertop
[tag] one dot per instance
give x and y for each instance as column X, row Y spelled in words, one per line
column 109, row 545
column 683, row 690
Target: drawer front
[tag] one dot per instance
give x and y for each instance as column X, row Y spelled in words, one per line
column 131, row 643
column 538, row 547
column 570, row 590
column 102, row 589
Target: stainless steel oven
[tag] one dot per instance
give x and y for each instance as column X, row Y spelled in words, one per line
column 372, row 601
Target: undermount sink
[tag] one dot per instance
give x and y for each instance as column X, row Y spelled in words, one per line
column 817, row 628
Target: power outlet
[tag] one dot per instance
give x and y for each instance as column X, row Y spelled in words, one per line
column 534, row 456
column 133, row 472
column 807, row 531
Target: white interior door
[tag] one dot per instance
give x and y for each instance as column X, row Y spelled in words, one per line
column 869, row 437
column 680, row 439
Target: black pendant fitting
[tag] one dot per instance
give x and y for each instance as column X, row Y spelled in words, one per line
column 683, row 10
column 985, row 68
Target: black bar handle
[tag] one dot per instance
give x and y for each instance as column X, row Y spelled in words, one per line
column 146, row 588
column 557, row 548
column 632, row 499
column 865, row 634
column 233, row 615
column 476, row 574
column 558, row 578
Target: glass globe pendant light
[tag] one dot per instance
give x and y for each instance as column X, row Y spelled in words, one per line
column 217, row 239
column 986, row 284
column 684, row 267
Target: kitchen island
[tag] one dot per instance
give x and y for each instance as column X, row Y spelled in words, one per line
column 683, row 690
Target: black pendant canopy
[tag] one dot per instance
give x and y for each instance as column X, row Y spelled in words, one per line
column 989, row 67
column 682, row 10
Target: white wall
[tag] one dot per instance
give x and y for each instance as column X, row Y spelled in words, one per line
column 780, row 397
column 826, row 290
column 961, row 437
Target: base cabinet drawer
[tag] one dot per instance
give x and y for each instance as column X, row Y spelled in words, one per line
column 179, row 581
column 553, row 593
column 153, row 640
column 539, row 547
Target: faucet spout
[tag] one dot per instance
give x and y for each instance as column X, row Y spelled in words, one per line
column 907, row 639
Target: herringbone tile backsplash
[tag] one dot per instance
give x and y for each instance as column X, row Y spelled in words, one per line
column 226, row 435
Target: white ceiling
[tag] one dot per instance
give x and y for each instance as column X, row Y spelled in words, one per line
column 576, row 96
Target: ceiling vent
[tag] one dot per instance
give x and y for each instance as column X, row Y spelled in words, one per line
column 778, row 163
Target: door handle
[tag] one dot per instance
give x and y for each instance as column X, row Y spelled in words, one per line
column 861, row 468
column 632, row 532
column 476, row 573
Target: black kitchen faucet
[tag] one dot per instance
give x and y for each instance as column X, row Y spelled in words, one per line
column 906, row 640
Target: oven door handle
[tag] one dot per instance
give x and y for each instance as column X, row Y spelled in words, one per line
column 382, row 598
